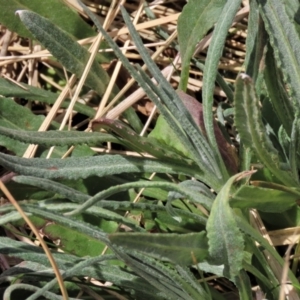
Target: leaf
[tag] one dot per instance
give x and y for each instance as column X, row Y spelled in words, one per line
column 16, row 117
column 245, row 227
column 58, row 138
column 252, row 131
column 67, row 51
column 172, row 108
column 51, row 9
column 74, row 168
column 196, row 19
column 19, row 117
column 141, row 144
column 182, row 249
column 263, row 199
column 277, row 92
column 9, row 89
column 91, row 267
column 285, row 42
column 74, row 242
column 210, row 73
column 226, row 242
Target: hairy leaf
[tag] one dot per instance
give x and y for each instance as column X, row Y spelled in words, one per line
column 252, row 131
column 73, row 168
column 285, row 42
column 226, row 242
column 71, row 55
column 58, row 138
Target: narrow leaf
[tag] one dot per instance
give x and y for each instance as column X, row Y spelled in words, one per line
column 264, row 199
column 58, row 138
column 74, row 168
column 226, row 242
column 252, row 131
column 210, row 72
column 9, row 89
column 196, row 19
column 52, row 9
column 285, row 42
column 68, row 52
column 180, row 249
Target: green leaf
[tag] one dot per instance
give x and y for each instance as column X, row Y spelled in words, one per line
column 277, row 92
column 74, row 266
column 9, row 89
column 252, row 131
column 285, row 42
column 182, row 249
column 74, row 168
column 226, row 242
column 210, row 73
column 249, row 230
column 67, row 51
column 263, row 199
column 18, row 117
column 253, row 41
column 74, row 242
column 196, row 19
column 58, row 138
column 141, row 144
column 55, row 10
column 173, row 109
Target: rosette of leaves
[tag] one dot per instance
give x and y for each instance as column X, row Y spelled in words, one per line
column 193, row 217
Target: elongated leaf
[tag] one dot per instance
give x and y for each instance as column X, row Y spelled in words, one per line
column 180, row 249
column 196, row 19
column 87, row 267
column 251, row 129
column 253, row 42
column 19, row 117
column 8, row 89
column 195, row 143
column 226, row 242
column 73, row 168
column 141, row 144
column 285, row 42
column 244, row 286
column 193, row 197
column 277, row 92
column 249, row 230
column 52, row 9
column 264, row 199
column 156, row 273
column 58, row 138
column 210, row 72
column 71, row 55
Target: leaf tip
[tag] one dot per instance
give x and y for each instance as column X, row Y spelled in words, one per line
column 18, row 12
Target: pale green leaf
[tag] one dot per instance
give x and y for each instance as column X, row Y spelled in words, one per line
column 67, row 51
column 248, row 121
column 196, row 19
column 285, row 41
column 210, row 73
column 181, row 249
column 226, row 242
column 54, row 10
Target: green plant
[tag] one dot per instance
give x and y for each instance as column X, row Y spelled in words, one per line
column 194, row 213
